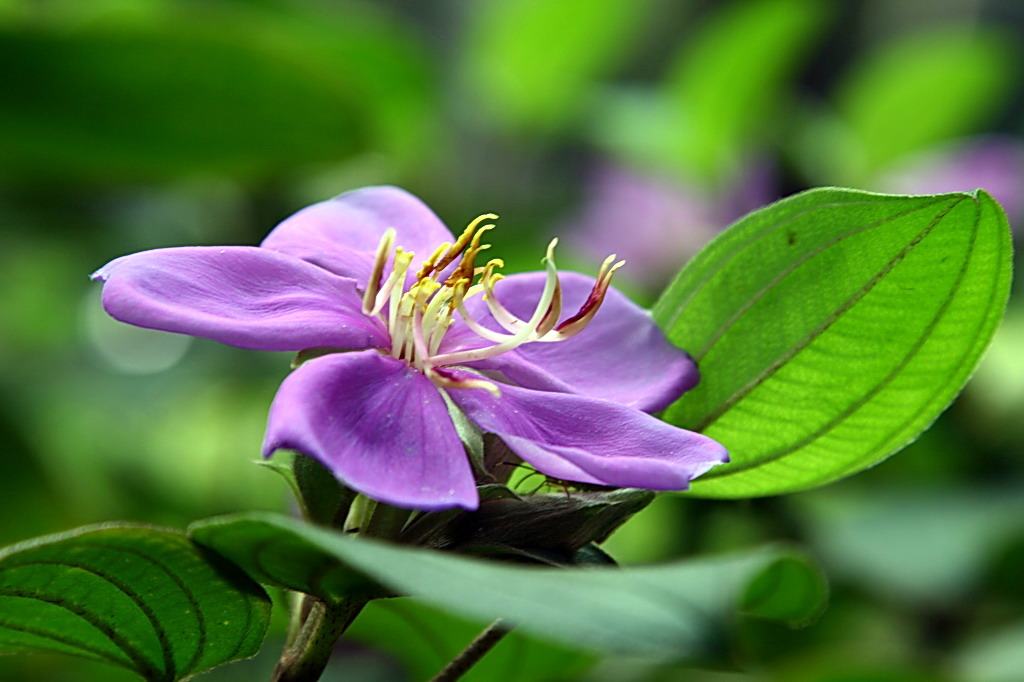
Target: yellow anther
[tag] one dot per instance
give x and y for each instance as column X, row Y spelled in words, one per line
column 468, row 264
column 464, row 239
column 430, row 264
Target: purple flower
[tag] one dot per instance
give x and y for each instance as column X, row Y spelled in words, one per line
column 376, row 273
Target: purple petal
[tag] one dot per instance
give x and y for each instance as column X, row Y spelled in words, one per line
column 342, row 234
column 621, row 355
column 592, row 441
column 239, row 295
column 379, row 425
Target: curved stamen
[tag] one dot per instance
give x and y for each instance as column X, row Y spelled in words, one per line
column 401, row 266
column 518, row 339
column 387, row 242
column 431, row 263
column 479, row 329
column 418, row 319
column 460, row 244
column 575, row 324
column 443, row 380
column 435, row 323
column 396, row 287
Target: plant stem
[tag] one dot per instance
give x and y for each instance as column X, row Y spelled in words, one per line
column 476, row 650
column 316, row 627
column 306, row 658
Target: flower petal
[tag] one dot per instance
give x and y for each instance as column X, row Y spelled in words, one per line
column 592, row 441
column 239, row 295
column 621, row 355
column 379, row 425
column 342, row 234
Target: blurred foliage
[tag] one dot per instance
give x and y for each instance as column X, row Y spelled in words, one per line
column 134, row 124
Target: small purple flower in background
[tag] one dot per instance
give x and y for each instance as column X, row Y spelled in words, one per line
column 657, row 223
column 375, row 272
column 995, row 164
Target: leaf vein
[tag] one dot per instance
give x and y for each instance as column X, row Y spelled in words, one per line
column 743, row 391
column 888, row 379
column 142, row 664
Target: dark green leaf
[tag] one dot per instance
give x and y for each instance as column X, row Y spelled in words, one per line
column 424, row 639
column 219, row 88
column 285, row 560
column 831, row 328
column 139, row 597
column 666, row 611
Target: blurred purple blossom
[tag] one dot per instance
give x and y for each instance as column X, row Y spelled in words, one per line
column 657, row 223
column 994, row 163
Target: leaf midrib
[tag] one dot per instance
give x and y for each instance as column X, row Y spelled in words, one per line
column 888, row 379
column 730, row 402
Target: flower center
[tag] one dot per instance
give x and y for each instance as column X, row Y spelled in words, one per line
column 418, row 318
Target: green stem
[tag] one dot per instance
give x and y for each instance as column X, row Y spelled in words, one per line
column 483, row 643
column 306, row 658
column 316, row 627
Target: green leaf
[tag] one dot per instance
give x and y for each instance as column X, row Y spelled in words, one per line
column 286, row 560
column 664, row 611
column 931, row 86
column 425, row 639
column 992, row 655
column 726, row 83
column 138, row 597
column 535, row 63
column 831, row 328
column 211, row 88
column 911, row 544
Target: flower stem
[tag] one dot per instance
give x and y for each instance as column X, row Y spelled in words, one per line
column 305, row 659
column 476, row 650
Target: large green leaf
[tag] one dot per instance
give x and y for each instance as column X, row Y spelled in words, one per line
column 138, row 597
column 666, row 611
column 831, row 328
column 219, row 88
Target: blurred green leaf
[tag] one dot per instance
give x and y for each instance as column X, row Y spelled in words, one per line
column 831, row 328
column 911, row 544
column 137, row 597
column 728, row 83
column 284, row 558
column 535, row 63
column 224, row 88
column 424, row 639
column 928, row 87
column 995, row 656
column 666, row 611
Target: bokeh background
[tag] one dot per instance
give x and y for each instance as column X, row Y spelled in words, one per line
column 640, row 127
